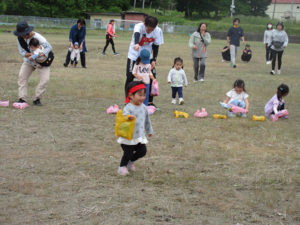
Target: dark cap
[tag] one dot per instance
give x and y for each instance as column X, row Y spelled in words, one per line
column 23, row 28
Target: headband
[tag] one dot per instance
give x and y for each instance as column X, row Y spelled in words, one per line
column 133, row 90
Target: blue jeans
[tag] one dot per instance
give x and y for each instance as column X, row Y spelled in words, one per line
column 175, row 90
column 147, row 94
column 238, row 103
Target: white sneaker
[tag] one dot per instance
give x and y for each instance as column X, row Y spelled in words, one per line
column 201, row 80
column 268, row 62
column 272, row 72
column 278, row 72
column 123, row 171
column 173, row 101
column 181, row 101
column 223, row 60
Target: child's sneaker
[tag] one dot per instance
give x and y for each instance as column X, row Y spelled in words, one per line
column 272, row 72
column 278, row 72
column 173, row 101
column 123, row 171
column 244, row 115
column 130, row 166
column 268, row 62
column 231, row 114
column 201, row 80
column 181, row 101
column 4, row 103
column 115, row 54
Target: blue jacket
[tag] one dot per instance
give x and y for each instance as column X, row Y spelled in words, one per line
column 78, row 36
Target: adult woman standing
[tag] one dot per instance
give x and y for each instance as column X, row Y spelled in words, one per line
column 25, row 33
column 110, row 34
column 279, row 41
column 77, row 34
column 267, row 42
column 199, row 41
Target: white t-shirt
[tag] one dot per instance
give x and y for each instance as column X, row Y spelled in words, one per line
column 235, row 96
column 146, row 40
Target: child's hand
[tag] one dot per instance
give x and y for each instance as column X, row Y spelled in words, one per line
column 136, row 47
column 130, row 117
column 149, row 135
column 195, row 47
column 169, row 82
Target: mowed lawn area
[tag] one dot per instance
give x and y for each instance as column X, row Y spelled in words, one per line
column 58, row 162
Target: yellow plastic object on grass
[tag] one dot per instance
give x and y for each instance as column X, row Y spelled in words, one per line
column 179, row 114
column 219, row 116
column 258, row 118
column 124, row 127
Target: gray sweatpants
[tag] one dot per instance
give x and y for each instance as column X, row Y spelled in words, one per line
column 199, row 74
column 233, row 53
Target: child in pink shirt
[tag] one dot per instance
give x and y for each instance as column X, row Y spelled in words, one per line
column 142, row 71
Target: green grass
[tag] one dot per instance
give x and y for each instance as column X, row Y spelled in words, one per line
column 58, row 162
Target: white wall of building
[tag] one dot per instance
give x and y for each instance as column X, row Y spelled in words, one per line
column 284, row 10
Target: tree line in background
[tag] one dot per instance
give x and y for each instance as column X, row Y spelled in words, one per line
column 80, row 8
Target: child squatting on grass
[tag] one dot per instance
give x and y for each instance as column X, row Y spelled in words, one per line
column 177, row 79
column 274, row 108
column 142, row 71
column 238, row 97
column 135, row 148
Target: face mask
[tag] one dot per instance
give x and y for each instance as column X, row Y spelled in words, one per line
column 269, row 26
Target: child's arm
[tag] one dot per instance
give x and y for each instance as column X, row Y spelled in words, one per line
column 247, row 104
column 151, row 76
column 127, row 113
column 169, row 76
column 184, row 79
column 148, row 125
column 227, row 99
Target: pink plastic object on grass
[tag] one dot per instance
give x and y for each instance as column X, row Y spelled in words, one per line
column 282, row 113
column 19, row 105
column 151, row 109
column 154, row 88
column 4, row 103
column 236, row 109
column 201, row 114
column 112, row 109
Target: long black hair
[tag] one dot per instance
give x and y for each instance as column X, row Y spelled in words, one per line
column 240, row 84
column 282, row 91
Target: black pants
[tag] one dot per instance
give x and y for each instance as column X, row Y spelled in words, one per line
column 279, row 108
column 268, row 53
column 109, row 40
column 150, row 100
column 132, row 153
column 82, row 58
column 129, row 76
column 74, row 61
column 274, row 54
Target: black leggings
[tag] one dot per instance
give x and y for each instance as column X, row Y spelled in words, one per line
column 132, row 153
column 129, row 76
column 274, row 54
column 268, row 53
column 109, row 40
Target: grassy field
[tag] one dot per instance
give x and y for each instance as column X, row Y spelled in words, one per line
column 58, row 162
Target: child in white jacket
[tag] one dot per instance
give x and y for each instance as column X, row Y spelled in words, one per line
column 177, row 79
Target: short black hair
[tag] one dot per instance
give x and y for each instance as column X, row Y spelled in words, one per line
column 280, row 23
column 236, row 19
column 240, row 84
column 151, row 21
column 133, row 84
column 81, row 21
column 178, row 59
column 247, row 46
column 198, row 30
column 34, row 42
column 282, row 90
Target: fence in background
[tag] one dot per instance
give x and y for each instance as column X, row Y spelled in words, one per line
column 123, row 25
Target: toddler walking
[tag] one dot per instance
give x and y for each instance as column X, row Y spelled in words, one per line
column 177, row 79
column 238, row 97
column 142, row 71
column 135, row 148
column 274, row 108
column 75, row 54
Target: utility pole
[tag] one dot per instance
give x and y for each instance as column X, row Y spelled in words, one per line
column 232, row 7
column 143, row 4
column 134, row 3
column 292, row 9
column 274, row 9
